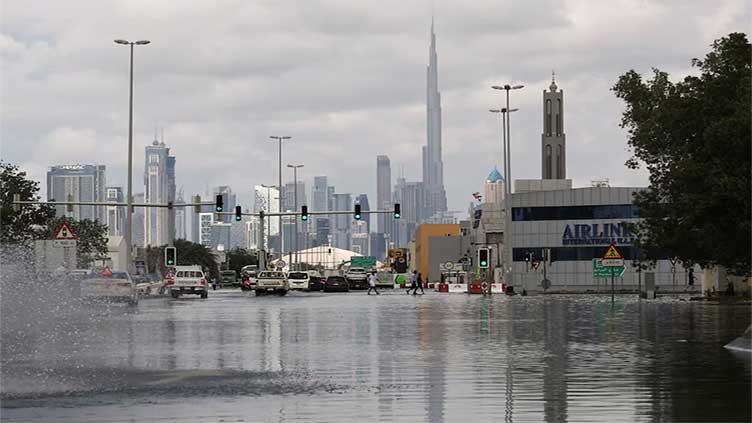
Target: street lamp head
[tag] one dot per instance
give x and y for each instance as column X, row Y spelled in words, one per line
column 517, row 87
column 142, row 42
column 119, row 41
column 513, row 110
column 494, row 110
column 497, row 87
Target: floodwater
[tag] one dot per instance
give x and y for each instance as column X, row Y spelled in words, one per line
column 355, row 358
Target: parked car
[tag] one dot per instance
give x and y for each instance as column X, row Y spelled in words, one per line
column 315, row 281
column 189, row 280
column 109, row 285
column 357, row 278
column 298, row 280
column 148, row 284
column 336, row 284
column 271, row 282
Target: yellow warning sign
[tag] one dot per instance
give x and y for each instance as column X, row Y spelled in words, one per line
column 612, row 253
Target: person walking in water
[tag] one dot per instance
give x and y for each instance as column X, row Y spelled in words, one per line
column 419, row 284
column 372, row 284
column 413, row 281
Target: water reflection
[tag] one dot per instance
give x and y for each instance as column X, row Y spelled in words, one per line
column 352, row 357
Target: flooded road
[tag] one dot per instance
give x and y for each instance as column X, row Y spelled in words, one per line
column 354, row 358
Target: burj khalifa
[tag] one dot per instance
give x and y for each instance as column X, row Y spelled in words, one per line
column 433, row 167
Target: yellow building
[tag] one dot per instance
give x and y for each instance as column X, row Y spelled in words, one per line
column 422, row 235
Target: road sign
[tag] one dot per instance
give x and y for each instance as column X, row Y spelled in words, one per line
column 281, row 263
column 449, row 265
column 363, row 261
column 612, row 253
column 64, row 232
column 612, row 262
column 601, row 271
column 674, row 260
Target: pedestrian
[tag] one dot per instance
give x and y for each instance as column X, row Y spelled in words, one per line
column 372, row 284
column 413, row 281
column 419, row 284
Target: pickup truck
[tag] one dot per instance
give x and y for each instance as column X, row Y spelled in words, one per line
column 271, row 282
column 189, row 280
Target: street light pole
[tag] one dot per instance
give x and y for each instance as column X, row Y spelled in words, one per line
column 129, row 200
column 281, row 228
column 295, row 204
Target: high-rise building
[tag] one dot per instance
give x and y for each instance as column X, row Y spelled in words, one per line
column 383, row 192
column 115, row 214
column 79, row 182
column 181, row 217
column 228, row 198
column 252, row 228
column 411, row 196
column 288, row 202
column 139, row 237
column 433, row 166
column 221, row 234
column 319, row 194
column 159, row 183
column 494, row 187
column 341, row 227
column 205, row 222
column 360, row 229
column 553, row 140
column 266, row 199
column 196, row 218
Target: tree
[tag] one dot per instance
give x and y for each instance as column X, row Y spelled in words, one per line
column 92, row 238
column 694, row 138
column 30, row 222
column 188, row 253
column 240, row 257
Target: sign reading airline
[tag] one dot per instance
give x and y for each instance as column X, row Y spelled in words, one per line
column 597, row 234
column 612, row 257
column 64, row 237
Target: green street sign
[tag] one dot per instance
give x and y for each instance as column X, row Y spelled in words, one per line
column 363, row 261
column 605, row 272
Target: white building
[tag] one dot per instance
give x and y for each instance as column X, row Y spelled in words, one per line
column 159, row 182
column 494, row 188
column 78, row 182
column 115, row 214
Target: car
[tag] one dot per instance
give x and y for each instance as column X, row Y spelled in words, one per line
column 314, row 281
column 271, row 282
column 357, row 278
column 109, row 285
column 229, row 278
column 148, row 284
column 188, row 280
column 336, row 284
column 298, row 280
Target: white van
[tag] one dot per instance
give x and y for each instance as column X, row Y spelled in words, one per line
column 189, row 280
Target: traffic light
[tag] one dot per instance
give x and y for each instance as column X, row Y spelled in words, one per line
column 483, row 258
column 397, row 213
column 357, row 212
column 303, row 213
column 170, row 256
column 220, row 203
column 238, row 214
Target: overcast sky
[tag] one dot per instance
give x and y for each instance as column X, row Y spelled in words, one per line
column 346, row 79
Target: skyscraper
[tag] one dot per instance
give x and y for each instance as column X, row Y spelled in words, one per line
column 180, row 217
column 341, row 228
column 383, row 192
column 265, row 198
column 115, row 215
column 288, row 201
column 159, row 182
column 433, row 166
column 360, row 229
column 319, row 194
column 82, row 183
column 494, row 187
column 553, row 140
column 411, row 196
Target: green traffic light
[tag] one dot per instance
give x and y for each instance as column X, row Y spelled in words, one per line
column 303, row 217
column 484, row 263
column 396, row 215
column 357, row 217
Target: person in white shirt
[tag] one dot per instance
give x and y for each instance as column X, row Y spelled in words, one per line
column 372, row 284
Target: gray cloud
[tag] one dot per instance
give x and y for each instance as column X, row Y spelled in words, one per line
column 345, row 79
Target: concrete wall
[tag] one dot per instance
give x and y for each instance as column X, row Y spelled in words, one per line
column 422, row 246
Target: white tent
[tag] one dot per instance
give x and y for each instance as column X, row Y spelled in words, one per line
column 328, row 257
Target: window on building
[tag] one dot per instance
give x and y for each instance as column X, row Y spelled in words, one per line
column 154, row 158
column 548, row 117
column 610, row 211
column 559, row 162
column 548, row 161
column 558, row 117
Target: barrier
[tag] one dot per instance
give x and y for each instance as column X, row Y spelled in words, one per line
column 457, row 288
column 442, row 287
column 497, row 288
column 475, row 288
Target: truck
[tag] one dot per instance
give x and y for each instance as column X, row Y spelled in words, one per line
column 274, row 282
column 188, row 280
column 228, row 278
